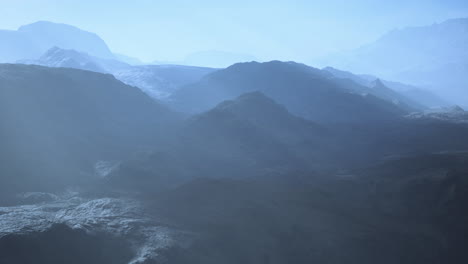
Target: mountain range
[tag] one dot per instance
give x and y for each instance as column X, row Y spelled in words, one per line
column 287, row 156
column 251, row 134
column 322, row 97
column 433, row 57
column 106, row 161
column 436, row 65
column 394, row 91
column 161, row 81
column 158, row 81
column 29, row 41
column 71, row 47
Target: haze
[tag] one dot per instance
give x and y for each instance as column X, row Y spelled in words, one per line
column 253, row 132
column 284, row 30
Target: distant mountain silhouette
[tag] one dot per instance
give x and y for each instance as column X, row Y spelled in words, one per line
column 430, row 56
column 307, row 92
column 158, row 81
column 128, row 59
column 412, row 96
column 64, row 58
column 256, row 163
column 31, row 41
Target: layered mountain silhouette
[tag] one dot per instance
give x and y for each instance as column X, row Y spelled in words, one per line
column 250, row 178
column 429, row 56
column 69, row 58
column 305, row 91
column 274, row 162
column 158, row 81
column 251, row 135
column 412, row 96
column 31, row 41
column 58, row 123
column 261, row 129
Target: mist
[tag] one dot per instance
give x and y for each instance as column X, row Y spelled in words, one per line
column 233, row 132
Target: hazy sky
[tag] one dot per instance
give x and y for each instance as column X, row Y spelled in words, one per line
column 287, row 30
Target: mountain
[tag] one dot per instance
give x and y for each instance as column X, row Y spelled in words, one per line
column 307, row 92
column 454, row 114
column 429, row 56
column 262, row 127
column 246, row 181
column 62, row 58
column 249, row 136
column 417, row 94
column 393, row 91
column 69, row 58
column 128, row 59
column 253, row 136
column 31, row 41
column 158, row 81
column 59, row 123
column 416, row 134
column 378, row 89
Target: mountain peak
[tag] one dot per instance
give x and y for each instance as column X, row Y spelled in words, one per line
column 456, row 108
column 272, row 67
column 377, row 83
column 426, row 56
column 254, row 105
column 255, row 97
column 42, row 24
column 32, row 40
column 307, row 92
column 69, row 58
column 56, row 50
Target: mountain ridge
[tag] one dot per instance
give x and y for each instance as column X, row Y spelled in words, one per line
column 327, row 98
column 158, row 81
column 32, row 40
column 77, row 117
column 433, row 57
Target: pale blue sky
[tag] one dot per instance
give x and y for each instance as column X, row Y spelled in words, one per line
column 287, row 30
